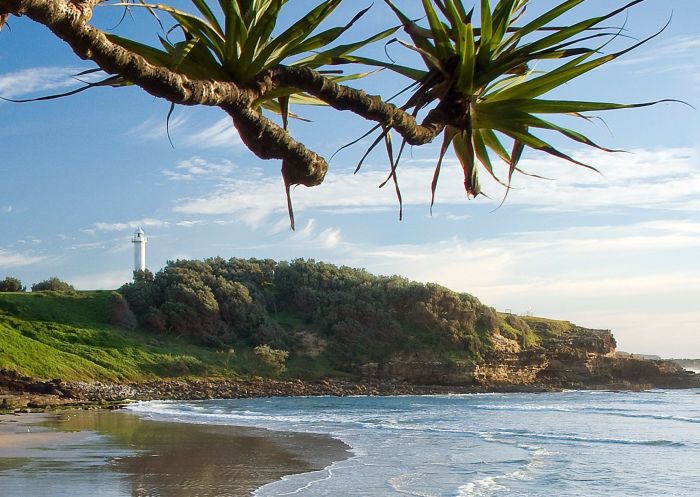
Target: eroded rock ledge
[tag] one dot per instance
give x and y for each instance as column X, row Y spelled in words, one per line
column 582, row 359
column 515, row 371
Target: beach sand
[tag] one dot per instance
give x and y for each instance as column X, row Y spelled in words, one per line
column 116, row 454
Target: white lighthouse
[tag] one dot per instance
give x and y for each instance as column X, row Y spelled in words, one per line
column 139, row 242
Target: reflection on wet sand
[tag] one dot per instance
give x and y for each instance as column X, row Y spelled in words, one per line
column 184, row 460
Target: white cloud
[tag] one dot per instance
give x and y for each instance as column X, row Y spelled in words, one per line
column 12, row 259
column 662, row 179
column 326, row 239
column 671, row 49
column 37, row 79
column 144, row 223
column 197, row 167
column 221, row 134
column 176, row 176
column 189, row 224
column 6, row 209
column 156, row 128
column 183, row 131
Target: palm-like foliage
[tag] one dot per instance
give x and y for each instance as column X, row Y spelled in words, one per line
column 482, row 78
column 236, row 44
column 476, row 87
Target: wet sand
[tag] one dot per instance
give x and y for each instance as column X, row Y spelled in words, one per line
column 116, row 454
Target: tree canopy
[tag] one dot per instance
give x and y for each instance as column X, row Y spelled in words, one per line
column 52, row 284
column 309, row 307
column 11, row 284
column 474, row 84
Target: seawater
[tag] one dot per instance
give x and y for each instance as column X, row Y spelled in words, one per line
column 577, row 443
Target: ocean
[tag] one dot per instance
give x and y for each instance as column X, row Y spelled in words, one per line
column 576, row 443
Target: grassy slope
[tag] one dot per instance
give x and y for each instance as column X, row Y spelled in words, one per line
column 50, row 335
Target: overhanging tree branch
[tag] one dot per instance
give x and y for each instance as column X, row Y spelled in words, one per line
column 475, row 90
column 343, row 97
column 261, row 135
column 68, row 23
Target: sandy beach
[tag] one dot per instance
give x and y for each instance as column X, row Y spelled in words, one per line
column 106, row 453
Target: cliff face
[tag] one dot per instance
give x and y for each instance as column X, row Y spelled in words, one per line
column 580, row 358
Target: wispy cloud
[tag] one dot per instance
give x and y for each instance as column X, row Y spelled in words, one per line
column 121, row 226
column 644, row 179
column 680, row 55
column 12, row 259
column 156, row 128
column 197, row 167
column 38, row 79
column 221, row 134
column 669, row 50
column 327, row 238
column 187, row 132
column 660, row 179
column 6, row 209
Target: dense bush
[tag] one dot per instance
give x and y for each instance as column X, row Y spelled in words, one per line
column 11, row 284
column 272, row 358
column 119, row 314
column 361, row 317
column 53, row 284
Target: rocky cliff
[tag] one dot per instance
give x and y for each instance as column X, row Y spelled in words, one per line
column 574, row 357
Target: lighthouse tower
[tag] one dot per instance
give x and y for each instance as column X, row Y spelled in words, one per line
column 139, row 242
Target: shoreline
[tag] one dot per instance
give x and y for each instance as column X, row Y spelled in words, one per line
column 139, row 456
column 25, row 394
column 144, row 469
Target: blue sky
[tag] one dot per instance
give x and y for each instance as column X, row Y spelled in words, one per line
column 617, row 250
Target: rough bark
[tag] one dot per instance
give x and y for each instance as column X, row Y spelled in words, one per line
column 84, row 7
column 264, row 138
column 342, row 97
column 68, row 20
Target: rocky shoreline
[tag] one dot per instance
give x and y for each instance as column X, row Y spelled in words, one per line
column 23, row 394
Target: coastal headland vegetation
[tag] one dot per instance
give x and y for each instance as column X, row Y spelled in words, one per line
column 239, row 319
column 196, row 317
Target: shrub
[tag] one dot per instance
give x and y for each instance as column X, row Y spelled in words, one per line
column 155, row 320
column 53, row 284
column 11, row 284
column 119, row 313
column 273, row 358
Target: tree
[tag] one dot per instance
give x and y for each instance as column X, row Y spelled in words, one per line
column 53, row 284
column 475, row 86
column 11, row 284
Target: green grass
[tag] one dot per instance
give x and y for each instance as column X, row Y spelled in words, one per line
column 529, row 341
column 50, row 335
column 79, row 308
column 548, row 328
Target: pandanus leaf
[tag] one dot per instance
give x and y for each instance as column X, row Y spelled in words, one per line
column 464, row 150
column 194, row 25
column 327, row 37
column 337, row 55
column 281, row 46
column 448, row 136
